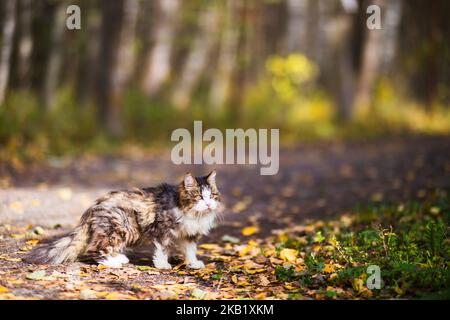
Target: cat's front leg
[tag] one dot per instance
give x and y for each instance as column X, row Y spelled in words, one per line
column 190, row 253
column 160, row 257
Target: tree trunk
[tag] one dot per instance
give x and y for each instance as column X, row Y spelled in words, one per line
column 240, row 76
column 53, row 68
column 116, row 60
column 88, row 65
column 339, row 67
column 157, row 61
column 9, row 25
column 220, row 87
column 197, row 58
column 313, row 35
column 295, row 33
column 391, row 29
column 368, row 69
column 25, row 46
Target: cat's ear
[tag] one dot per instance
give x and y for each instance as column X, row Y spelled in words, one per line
column 211, row 178
column 189, row 181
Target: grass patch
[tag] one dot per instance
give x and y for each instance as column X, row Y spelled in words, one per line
column 409, row 242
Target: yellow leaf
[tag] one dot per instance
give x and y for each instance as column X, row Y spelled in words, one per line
column 260, row 296
column 32, row 242
column 248, row 231
column 243, row 283
column 102, row 294
column 289, row 255
column 289, row 287
column 255, row 271
column 11, row 259
column 333, row 276
column 283, row 237
column 112, row 296
column 263, row 281
column 358, row 285
column 299, row 268
column 65, row 193
column 208, row 246
column 328, row 268
column 398, row 290
column 3, row 289
column 435, row 210
column 101, row 267
column 16, row 206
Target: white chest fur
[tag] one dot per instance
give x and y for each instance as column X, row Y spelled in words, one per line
column 191, row 225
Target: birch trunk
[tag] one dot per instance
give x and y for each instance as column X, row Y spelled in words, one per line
column 117, row 59
column 157, row 61
column 25, row 45
column 53, row 68
column 369, row 69
column 9, row 25
column 220, row 87
column 197, row 58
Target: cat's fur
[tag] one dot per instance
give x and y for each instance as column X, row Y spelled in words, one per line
column 170, row 216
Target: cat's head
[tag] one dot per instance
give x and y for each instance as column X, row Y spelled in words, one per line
column 199, row 194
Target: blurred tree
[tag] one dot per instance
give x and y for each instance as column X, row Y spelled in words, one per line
column 197, row 58
column 88, row 67
column 55, row 55
column 25, row 43
column 339, row 68
column 220, row 87
column 369, row 66
column 211, row 57
column 158, row 59
column 8, row 27
column 116, row 59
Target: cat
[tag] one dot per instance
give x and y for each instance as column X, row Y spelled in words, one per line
column 170, row 216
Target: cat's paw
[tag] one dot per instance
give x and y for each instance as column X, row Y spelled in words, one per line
column 110, row 262
column 196, row 265
column 162, row 264
column 122, row 258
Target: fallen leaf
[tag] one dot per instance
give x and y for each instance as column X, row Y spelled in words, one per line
column 208, row 246
column 37, row 275
column 3, row 289
column 143, row 268
column 198, row 293
column 248, row 231
column 289, row 255
column 263, row 281
column 16, row 206
column 38, row 230
column 32, row 242
column 87, row 294
column 112, row 296
column 358, row 285
column 329, row 268
column 65, row 193
column 230, row 239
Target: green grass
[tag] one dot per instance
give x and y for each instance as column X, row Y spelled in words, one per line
column 409, row 242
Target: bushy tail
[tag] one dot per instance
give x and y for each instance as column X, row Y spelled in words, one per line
column 65, row 249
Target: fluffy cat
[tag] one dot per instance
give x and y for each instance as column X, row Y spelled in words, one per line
column 170, row 216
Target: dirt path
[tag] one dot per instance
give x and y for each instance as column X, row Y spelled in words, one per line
column 314, row 181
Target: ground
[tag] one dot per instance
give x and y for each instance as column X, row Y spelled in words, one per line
column 317, row 185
